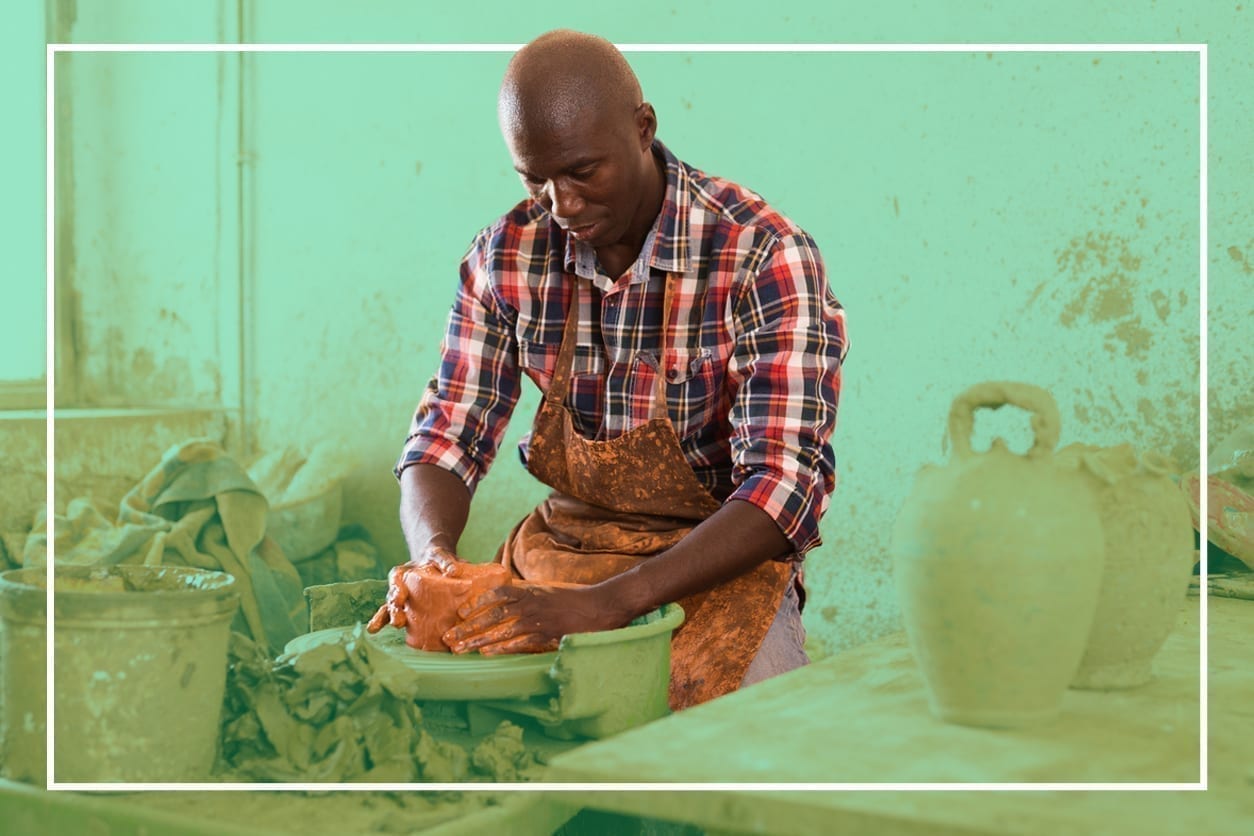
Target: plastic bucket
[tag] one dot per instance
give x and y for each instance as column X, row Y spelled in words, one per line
column 141, row 654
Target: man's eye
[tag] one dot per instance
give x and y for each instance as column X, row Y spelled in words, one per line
column 584, row 173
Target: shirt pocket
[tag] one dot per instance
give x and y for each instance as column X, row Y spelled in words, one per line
column 588, row 367
column 693, row 388
column 538, row 359
column 587, row 385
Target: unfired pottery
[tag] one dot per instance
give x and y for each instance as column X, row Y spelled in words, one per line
column 998, row 560
column 1149, row 560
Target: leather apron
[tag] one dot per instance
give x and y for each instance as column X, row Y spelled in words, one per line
column 619, row 502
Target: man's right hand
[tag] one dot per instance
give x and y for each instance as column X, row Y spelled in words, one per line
column 396, row 609
column 433, row 510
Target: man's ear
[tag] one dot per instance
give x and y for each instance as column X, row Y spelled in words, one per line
column 646, row 125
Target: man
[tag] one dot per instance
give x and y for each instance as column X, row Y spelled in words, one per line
column 689, row 351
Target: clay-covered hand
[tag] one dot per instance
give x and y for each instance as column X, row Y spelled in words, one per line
column 528, row 618
column 395, row 609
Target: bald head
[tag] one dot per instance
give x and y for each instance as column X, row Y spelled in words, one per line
column 562, row 77
column 581, row 139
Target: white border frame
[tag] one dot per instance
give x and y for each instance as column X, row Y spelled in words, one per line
column 53, row 785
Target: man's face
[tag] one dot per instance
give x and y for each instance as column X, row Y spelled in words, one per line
column 589, row 174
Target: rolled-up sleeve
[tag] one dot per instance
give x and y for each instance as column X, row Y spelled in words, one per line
column 786, row 363
column 462, row 415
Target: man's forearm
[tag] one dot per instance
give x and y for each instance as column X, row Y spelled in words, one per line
column 729, row 543
column 434, row 508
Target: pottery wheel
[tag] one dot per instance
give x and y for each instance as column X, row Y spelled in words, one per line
column 452, row 676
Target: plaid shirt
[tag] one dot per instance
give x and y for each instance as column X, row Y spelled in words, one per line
column 752, row 358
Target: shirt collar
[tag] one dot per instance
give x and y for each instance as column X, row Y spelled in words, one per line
column 666, row 246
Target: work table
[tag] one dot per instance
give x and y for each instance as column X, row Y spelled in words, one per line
column 862, row 716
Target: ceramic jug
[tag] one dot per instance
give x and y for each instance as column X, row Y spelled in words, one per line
column 998, row 559
column 1149, row 561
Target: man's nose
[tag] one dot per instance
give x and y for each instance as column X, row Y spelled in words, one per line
column 564, row 200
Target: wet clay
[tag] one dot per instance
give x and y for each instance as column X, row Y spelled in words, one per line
column 434, row 598
column 345, row 711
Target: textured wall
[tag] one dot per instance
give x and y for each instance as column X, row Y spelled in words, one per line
column 146, row 192
column 984, row 215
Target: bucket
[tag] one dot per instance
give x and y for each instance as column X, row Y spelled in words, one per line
column 141, row 655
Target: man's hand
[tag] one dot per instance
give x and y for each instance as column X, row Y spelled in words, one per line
column 450, row 564
column 529, row 618
column 396, row 609
column 433, row 510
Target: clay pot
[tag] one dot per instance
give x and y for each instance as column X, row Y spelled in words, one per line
column 1149, row 561
column 431, row 610
column 998, row 560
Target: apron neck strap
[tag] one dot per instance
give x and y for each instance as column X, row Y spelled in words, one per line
column 560, row 384
column 660, row 409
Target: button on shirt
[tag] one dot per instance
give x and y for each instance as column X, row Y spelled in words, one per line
column 751, row 359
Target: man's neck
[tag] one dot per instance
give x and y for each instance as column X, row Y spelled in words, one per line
column 616, row 258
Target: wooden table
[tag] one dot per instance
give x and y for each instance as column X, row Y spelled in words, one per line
column 862, row 716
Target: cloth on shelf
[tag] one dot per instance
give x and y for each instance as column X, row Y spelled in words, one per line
column 196, row 508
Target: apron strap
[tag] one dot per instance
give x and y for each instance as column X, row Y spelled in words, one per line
column 559, row 386
column 660, row 409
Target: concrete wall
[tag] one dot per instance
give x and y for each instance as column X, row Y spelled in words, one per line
column 22, row 213
column 147, row 188
column 983, row 215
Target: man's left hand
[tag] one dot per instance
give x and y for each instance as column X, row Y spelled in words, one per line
column 528, row 619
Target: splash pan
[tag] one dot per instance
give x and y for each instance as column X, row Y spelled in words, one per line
column 594, row 685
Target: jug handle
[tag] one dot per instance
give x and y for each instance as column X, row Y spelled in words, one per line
column 1046, row 422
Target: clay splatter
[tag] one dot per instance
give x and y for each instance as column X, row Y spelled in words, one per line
column 1132, row 336
column 1162, row 305
column 1152, row 424
column 1239, row 257
column 1102, row 265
